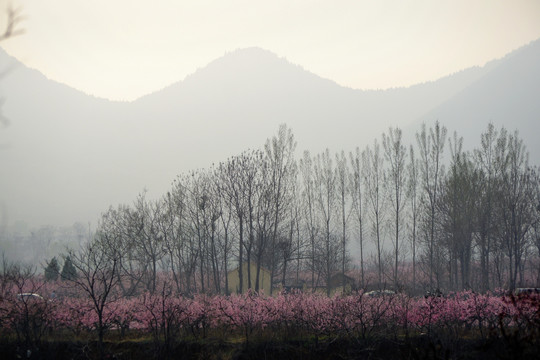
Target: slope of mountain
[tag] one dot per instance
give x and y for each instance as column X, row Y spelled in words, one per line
column 67, row 156
column 508, row 96
column 58, row 152
column 252, row 91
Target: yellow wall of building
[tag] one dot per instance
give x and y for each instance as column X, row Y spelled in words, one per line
column 234, row 281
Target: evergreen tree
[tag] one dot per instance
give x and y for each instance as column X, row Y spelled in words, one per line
column 52, row 270
column 68, row 271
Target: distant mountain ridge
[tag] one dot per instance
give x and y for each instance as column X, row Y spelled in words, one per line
column 67, row 156
column 508, row 96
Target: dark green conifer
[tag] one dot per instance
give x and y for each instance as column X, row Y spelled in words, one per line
column 52, row 270
column 68, row 271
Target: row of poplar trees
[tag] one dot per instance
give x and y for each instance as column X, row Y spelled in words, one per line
column 424, row 216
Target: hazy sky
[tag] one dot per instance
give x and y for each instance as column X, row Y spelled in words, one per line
column 123, row 49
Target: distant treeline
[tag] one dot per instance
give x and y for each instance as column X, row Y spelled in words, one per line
column 422, row 216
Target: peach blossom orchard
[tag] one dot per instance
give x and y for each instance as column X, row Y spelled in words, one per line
column 283, row 315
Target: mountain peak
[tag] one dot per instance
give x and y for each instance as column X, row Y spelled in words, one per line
column 245, row 60
column 251, row 51
column 243, row 68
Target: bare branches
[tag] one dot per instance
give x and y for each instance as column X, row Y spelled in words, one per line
column 14, row 18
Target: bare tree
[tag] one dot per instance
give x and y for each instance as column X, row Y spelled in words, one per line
column 325, row 196
column 489, row 160
column 517, row 209
column 204, row 210
column 395, row 155
column 266, row 245
column 413, row 195
column 97, row 266
column 213, row 209
column 456, row 214
column 147, row 238
column 232, row 192
column 180, row 237
column 238, row 184
column 253, row 188
column 357, row 199
column 376, row 199
column 281, row 176
column 343, row 194
column 226, row 215
column 310, row 216
column 536, row 223
column 197, row 207
column 296, row 242
column 22, row 308
column 431, row 147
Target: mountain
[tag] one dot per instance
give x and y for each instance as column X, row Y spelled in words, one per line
column 67, row 156
column 252, row 90
column 508, row 96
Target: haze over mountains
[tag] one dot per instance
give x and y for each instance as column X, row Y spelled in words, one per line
column 507, row 96
column 67, row 156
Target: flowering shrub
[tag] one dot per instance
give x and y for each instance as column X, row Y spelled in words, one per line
column 166, row 316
